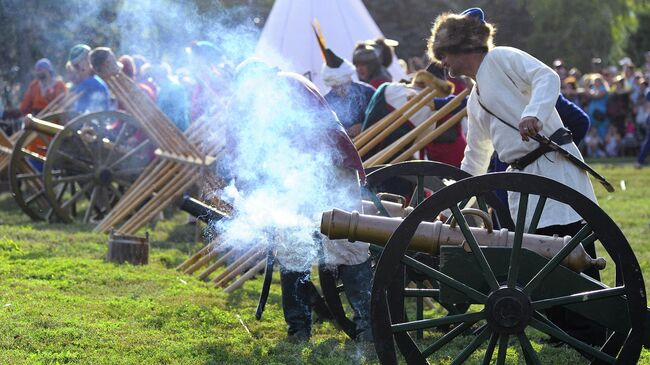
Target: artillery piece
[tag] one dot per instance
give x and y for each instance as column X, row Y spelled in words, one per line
column 421, row 177
column 508, row 286
column 86, row 165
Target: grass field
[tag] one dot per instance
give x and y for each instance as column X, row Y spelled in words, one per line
column 61, row 303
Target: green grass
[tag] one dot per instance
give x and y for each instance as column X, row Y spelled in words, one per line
column 61, row 303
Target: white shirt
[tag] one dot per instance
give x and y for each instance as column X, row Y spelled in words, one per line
column 512, row 84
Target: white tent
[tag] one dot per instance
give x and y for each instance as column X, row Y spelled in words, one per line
column 288, row 40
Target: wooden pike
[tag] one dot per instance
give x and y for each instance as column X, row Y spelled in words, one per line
column 161, row 200
column 431, row 136
column 201, row 262
column 134, row 196
column 367, row 135
column 159, row 128
column 200, row 253
column 187, row 160
column 181, row 160
column 385, row 132
column 388, row 152
column 215, row 265
column 238, row 262
column 247, row 275
column 148, row 121
column 246, row 265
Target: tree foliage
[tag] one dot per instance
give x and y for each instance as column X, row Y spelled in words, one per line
column 574, row 30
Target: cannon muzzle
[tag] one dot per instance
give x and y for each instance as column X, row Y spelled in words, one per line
column 201, row 210
column 338, row 224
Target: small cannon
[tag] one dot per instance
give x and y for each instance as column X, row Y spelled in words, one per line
column 418, row 178
column 201, row 210
column 509, row 286
column 83, row 169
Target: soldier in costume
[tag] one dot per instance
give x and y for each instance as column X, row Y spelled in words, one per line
column 313, row 131
column 513, row 100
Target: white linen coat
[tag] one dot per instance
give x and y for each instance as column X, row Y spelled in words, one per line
column 512, row 84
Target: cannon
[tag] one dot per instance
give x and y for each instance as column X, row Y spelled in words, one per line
column 201, row 210
column 209, row 214
column 84, row 168
column 25, row 161
column 418, row 178
column 509, row 287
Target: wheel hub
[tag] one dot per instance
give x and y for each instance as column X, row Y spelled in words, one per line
column 508, row 310
column 104, row 176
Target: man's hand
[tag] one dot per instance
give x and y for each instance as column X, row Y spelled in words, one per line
column 529, row 127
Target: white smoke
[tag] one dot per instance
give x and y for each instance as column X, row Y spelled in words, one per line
column 282, row 162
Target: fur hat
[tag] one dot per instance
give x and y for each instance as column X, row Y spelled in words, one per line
column 366, row 54
column 460, row 33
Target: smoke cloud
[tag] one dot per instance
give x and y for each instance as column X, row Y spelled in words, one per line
column 282, row 167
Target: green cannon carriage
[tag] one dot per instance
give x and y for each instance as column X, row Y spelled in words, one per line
column 497, row 292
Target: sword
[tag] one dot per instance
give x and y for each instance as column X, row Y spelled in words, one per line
column 557, row 148
column 574, row 160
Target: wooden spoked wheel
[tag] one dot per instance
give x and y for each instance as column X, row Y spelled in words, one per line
column 26, row 169
column 511, row 288
column 421, row 177
column 91, row 163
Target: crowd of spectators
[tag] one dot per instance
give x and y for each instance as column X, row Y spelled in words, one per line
column 183, row 94
column 616, row 98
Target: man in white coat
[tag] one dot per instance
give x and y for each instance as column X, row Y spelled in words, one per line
column 515, row 88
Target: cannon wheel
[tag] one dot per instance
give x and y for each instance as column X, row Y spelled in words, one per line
column 622, row 348
column 25, row 180
column 422, row 175
column 91, row 163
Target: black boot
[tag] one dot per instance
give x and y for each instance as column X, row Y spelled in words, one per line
column 357, row 282
column 295, row 303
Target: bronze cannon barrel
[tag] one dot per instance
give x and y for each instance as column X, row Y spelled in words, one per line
column 35, row 124
column 339, row 224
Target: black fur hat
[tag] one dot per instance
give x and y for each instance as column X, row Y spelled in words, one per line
column 460, row 33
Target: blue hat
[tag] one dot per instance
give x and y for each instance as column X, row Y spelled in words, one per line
column 78, row 52
column 475, row 13
column 44, row 64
